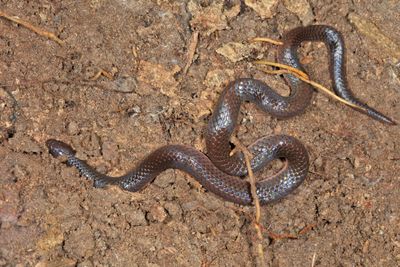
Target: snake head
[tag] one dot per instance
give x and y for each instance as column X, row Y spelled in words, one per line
column 58, row 148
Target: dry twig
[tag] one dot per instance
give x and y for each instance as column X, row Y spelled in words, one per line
column 35, row 29
column 247, row 156
column 194, row 40
column 304, row 77
column 104, row 73
column 265, row 39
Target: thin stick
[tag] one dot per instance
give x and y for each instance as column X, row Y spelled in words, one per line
column 267, row 40
column 104, row 73
column 330, row 93
column 314, row 257
column 304, row 77
column 276, row 236
column 247, row 155
column 275, row 72
column 35, row 29
column 194, row 40
column 283, row 66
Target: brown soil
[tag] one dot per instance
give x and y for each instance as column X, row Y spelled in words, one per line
column 345, row 214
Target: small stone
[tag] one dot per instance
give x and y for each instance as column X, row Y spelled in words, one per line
column 165, row 180
column 318, row 163
column 214, row 82
column 302, row 9
column 356, row 162
column 207, row 19
column 72, row 128
column 365, row 247
column 234, row 10
column 136, row 218
column 264, row 8
column 42, row 16
column 190, row 206
column 234, row 51
column 377, row 37
column 133, row 111
column 159, row 77
column 124, row 84
column 368, row 167
column 157, row 213
column 215, row 78
column 53, row 238
column 173, row 209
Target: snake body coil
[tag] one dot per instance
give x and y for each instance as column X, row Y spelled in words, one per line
column 219, row 171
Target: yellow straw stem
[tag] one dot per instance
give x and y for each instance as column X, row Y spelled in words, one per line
column 304, row 77
column 253, row 190
column 283, row 66
column 35, row 29
column 330, row 93
column 267, row 40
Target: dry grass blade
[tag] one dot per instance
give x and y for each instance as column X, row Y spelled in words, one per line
column 247, row 156
column 35, row 29
column 283, row 66
column 104, row 73
column 194, row 40
column 267, row 40
column 304, row 77
column 313, row 259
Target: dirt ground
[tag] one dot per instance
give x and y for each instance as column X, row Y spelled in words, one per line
column 345, row 214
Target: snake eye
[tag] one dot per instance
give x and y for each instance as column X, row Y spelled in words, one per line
column 58, row 148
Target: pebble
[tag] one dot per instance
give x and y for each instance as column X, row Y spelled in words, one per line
column 234, row 51
column 165, row 180
column 136, row 218
column 208, row 19
column 53, row 238
column 73, row 128
column 124, row 84
column 157, row 214
column 372, row 32
column 264, row 8
column 190, row 206
column 159, row 77
column 301, row 8
column 173, row 209
column 318, row 163
column 133, row 111
column 356, row 162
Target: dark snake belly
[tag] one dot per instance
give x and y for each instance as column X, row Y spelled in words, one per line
column 218, row 172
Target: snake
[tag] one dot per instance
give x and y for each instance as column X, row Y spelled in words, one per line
column 222, row 173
